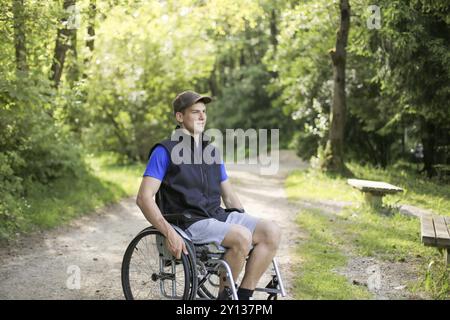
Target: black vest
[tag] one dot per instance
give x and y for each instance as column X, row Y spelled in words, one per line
column 191, row 191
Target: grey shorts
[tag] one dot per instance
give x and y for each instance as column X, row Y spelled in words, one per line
column 214, row 231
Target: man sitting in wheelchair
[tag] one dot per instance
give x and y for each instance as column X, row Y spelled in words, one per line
column 188, row 195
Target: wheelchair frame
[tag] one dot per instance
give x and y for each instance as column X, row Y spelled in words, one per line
column 202, row 261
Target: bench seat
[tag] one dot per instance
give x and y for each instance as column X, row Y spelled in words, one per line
column 374, row 190
column 435, row 232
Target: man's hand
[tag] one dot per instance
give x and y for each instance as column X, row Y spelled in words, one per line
column 175, row 244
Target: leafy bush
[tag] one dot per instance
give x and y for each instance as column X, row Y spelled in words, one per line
column 10, row 187
column 34, row 148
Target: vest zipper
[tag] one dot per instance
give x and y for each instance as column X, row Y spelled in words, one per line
column 204, row 182
column 201, row 174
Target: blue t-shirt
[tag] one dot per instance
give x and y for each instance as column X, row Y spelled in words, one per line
column 160, row 160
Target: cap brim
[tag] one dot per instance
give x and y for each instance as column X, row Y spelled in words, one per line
column 204, row 99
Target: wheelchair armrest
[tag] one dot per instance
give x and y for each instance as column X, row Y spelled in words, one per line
column 241, row 210
column 176, row 217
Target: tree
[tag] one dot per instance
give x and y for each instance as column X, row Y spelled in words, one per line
column 65, row 39
column 90, row 39
column 19, row 35
column 301, row 71
column 91, row 25
column 334, row 152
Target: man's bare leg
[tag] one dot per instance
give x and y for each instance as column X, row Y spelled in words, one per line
column 266, row 239
column 237, row 241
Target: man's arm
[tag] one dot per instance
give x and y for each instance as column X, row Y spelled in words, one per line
column 230, row 199
column 146, row 202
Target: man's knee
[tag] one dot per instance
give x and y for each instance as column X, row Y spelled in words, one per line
column 270, row 234
column 239, row 239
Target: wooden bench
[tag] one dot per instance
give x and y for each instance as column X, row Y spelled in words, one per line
column 436, row 233
column 374, row 190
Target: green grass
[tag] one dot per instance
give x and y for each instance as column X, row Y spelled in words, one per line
column 393, row 237
column 66, row 198
column 358, row 231
column 313, row 185
column 106, row 168
column 320, row 255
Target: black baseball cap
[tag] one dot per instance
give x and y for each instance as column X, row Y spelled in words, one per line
column 188, row 98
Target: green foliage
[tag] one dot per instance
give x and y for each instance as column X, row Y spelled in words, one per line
column 304, row 70
column 141, row 64
column 241, row 79
column 437, row 280
column 10, row 187
column 266, row 63
column 411, row 59
column 64, row 198
column 305, row 144
column 397, row 76
column 33, row 149
column 34, row 146
column 245, row 104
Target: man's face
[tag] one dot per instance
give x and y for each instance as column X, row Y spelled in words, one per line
column 193, row 118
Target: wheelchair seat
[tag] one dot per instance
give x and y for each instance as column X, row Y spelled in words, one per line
column 209, row 248
column 204, row 252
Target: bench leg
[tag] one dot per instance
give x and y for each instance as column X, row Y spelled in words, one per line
column 447, row 257
column 373, row 200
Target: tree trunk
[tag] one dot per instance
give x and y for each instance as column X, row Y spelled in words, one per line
column 90, row 41
column 334, row 154
column 19, row 35
column 212, row 82
column 73, row 70
column 403, row 142
column 91, row 25
column 63, row 38
column 273, row 29
column 429, row 147
column 273, row 22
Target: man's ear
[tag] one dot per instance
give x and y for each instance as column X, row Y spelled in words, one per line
column 179, row 117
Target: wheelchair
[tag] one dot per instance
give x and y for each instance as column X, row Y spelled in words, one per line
column 150, row 272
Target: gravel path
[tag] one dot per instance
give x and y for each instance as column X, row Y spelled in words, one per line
column 39, row 266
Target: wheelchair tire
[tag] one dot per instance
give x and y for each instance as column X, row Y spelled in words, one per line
column 147, row 268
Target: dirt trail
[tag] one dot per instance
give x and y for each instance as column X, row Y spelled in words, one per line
column 39, row 266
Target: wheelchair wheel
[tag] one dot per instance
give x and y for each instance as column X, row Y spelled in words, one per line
column 150, row 272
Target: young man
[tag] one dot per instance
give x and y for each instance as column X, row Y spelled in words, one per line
column 195, row 190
